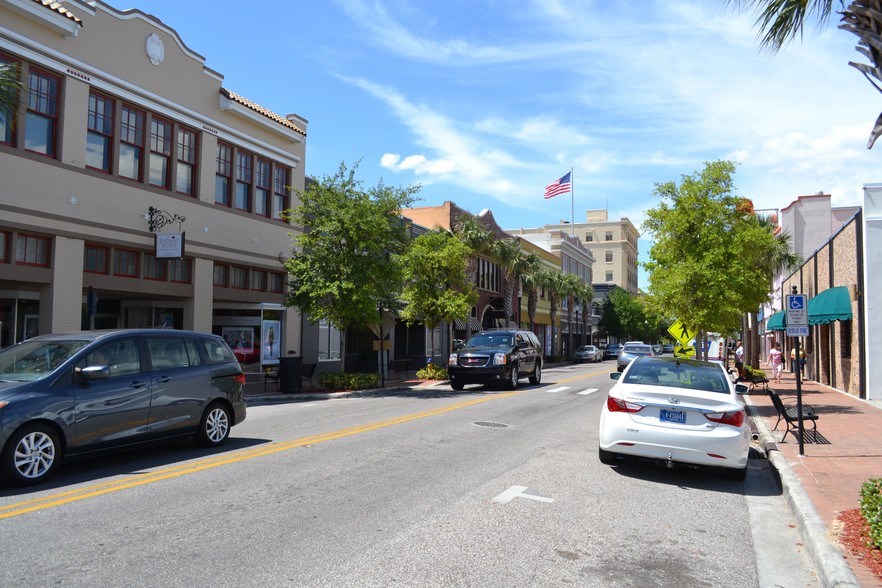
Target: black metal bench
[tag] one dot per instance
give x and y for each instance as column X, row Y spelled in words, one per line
column 790, row 415
column 759, row 382
column 306, row 372
column 398, row 366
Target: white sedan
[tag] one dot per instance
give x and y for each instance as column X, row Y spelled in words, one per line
column 676, row 411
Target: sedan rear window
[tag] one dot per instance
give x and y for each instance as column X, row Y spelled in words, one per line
column 691, row 376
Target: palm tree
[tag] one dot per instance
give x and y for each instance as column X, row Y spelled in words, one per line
column 525, row 265
column 508, row 255
column 572, row 289
column 10, row 90
column 471, row 232
column 781, row 21
column 531, row 282
column 553, row 282
column 585, row 297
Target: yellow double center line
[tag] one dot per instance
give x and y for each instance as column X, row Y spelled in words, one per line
column 58, row 499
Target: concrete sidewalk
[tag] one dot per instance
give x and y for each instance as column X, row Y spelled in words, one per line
column 826, row 479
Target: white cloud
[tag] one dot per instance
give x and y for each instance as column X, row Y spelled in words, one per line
column 417, row 163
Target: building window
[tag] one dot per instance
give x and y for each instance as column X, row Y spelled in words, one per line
column 328, row 342
column 186, row 168
column 845, row 339
column 280, row 192
column 95, row 259
column 609, row 256
column 4, row 247
column 609, row 276
column 224, row 174
column 244, row 177
column 131, row 142
column 99, row 140
column 41, row 118
column 179, row 270
column 154, row 269
column 32, row 250
column 277, row 283
column 258, row 280
column 7, row 129
column 609, row 236
column 262, row 181
column 221, row 275
column 239, row 278
column 160, row 152
column 589, row 237
column 125, row 263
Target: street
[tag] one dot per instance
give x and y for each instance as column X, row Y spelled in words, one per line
column 480, row 487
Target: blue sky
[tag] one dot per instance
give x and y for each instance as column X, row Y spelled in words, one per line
column 484, row 102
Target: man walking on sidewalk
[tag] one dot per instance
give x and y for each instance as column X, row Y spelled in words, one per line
column 739, row 360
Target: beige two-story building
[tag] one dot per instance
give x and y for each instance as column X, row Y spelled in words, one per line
column 136, row 190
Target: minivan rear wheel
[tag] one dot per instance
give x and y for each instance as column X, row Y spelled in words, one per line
column 215, row 426
column 31, row 455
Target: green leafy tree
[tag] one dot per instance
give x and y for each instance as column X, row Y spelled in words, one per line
column 703, row 265
column 781, row 21
column 436, row 287
column 345, row 264
column 623, row 316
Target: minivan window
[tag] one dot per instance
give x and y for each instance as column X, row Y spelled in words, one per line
column 217, row 351
column 120, row 355
column 168, row 352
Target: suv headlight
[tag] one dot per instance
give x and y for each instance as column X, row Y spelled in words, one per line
column 499, row 358
column 452, row 359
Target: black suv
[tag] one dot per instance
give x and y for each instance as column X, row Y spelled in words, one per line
column 499, row 356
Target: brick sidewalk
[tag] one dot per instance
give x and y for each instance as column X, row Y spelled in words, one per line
column 846, row 452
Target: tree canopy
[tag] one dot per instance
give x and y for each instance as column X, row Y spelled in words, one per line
column 345, row 262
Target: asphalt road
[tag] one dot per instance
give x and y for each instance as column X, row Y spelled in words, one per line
column 439, row 488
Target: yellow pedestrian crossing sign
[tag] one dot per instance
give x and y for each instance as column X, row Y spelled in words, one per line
column 682, row 333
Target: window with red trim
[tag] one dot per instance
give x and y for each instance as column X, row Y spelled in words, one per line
column 280, row 192
column 125, row 263
column 258, row 280
column 239, row 278
column 160, row 152
column 131, row 142
column 185, row 181
column 41, row 116
column 244, row 178
column 221, row 275
column 179, row 270
column 95, row 259
column 223, row 178
column 262, row 185
column 99, row 139
column 4, row 247
column 155, row 268
column 32, row 250
column 277, row 282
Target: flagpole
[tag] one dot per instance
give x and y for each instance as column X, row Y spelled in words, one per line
column 572, row 203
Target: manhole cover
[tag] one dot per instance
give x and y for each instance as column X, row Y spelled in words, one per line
column 490, row 424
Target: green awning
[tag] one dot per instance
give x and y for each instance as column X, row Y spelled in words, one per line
column 833, row 304
column 777, row 322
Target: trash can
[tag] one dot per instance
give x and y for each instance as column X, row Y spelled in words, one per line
column 290, row 374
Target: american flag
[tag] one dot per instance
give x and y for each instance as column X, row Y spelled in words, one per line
column 561, row 186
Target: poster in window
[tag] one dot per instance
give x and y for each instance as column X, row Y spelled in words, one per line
column 272, row 344
column 241, row 341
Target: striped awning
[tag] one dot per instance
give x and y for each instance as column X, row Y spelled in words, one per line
column 475, row 324
column 460, row 324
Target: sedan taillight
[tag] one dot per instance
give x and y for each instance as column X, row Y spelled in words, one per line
column 734, row 418
column 614, row 404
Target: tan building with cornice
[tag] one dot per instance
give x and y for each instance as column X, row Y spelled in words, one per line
column 120, row 123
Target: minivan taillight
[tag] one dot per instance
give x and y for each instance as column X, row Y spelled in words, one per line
column 240, row 378
column 614, row 404
column 734, row 417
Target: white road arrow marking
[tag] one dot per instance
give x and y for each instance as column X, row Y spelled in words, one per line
column 519, row 491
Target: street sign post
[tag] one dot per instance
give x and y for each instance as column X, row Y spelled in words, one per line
column 797, row 311
column 796, row 306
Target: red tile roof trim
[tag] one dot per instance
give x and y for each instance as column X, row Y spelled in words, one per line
column 260, row 109
column 57, row 7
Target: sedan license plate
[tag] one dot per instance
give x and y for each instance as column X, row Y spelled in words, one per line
column 672, row 416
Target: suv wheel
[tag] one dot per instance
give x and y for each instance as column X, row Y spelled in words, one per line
column 537, row 373
column 513, row 377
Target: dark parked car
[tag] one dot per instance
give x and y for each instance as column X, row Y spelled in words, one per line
column 500, row 356
column 67, row 395
column 611, row 351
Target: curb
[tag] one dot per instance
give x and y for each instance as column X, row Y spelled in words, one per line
column 829, row 561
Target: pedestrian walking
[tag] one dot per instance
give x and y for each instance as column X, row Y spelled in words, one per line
column 739, row 360
column 776, row 360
